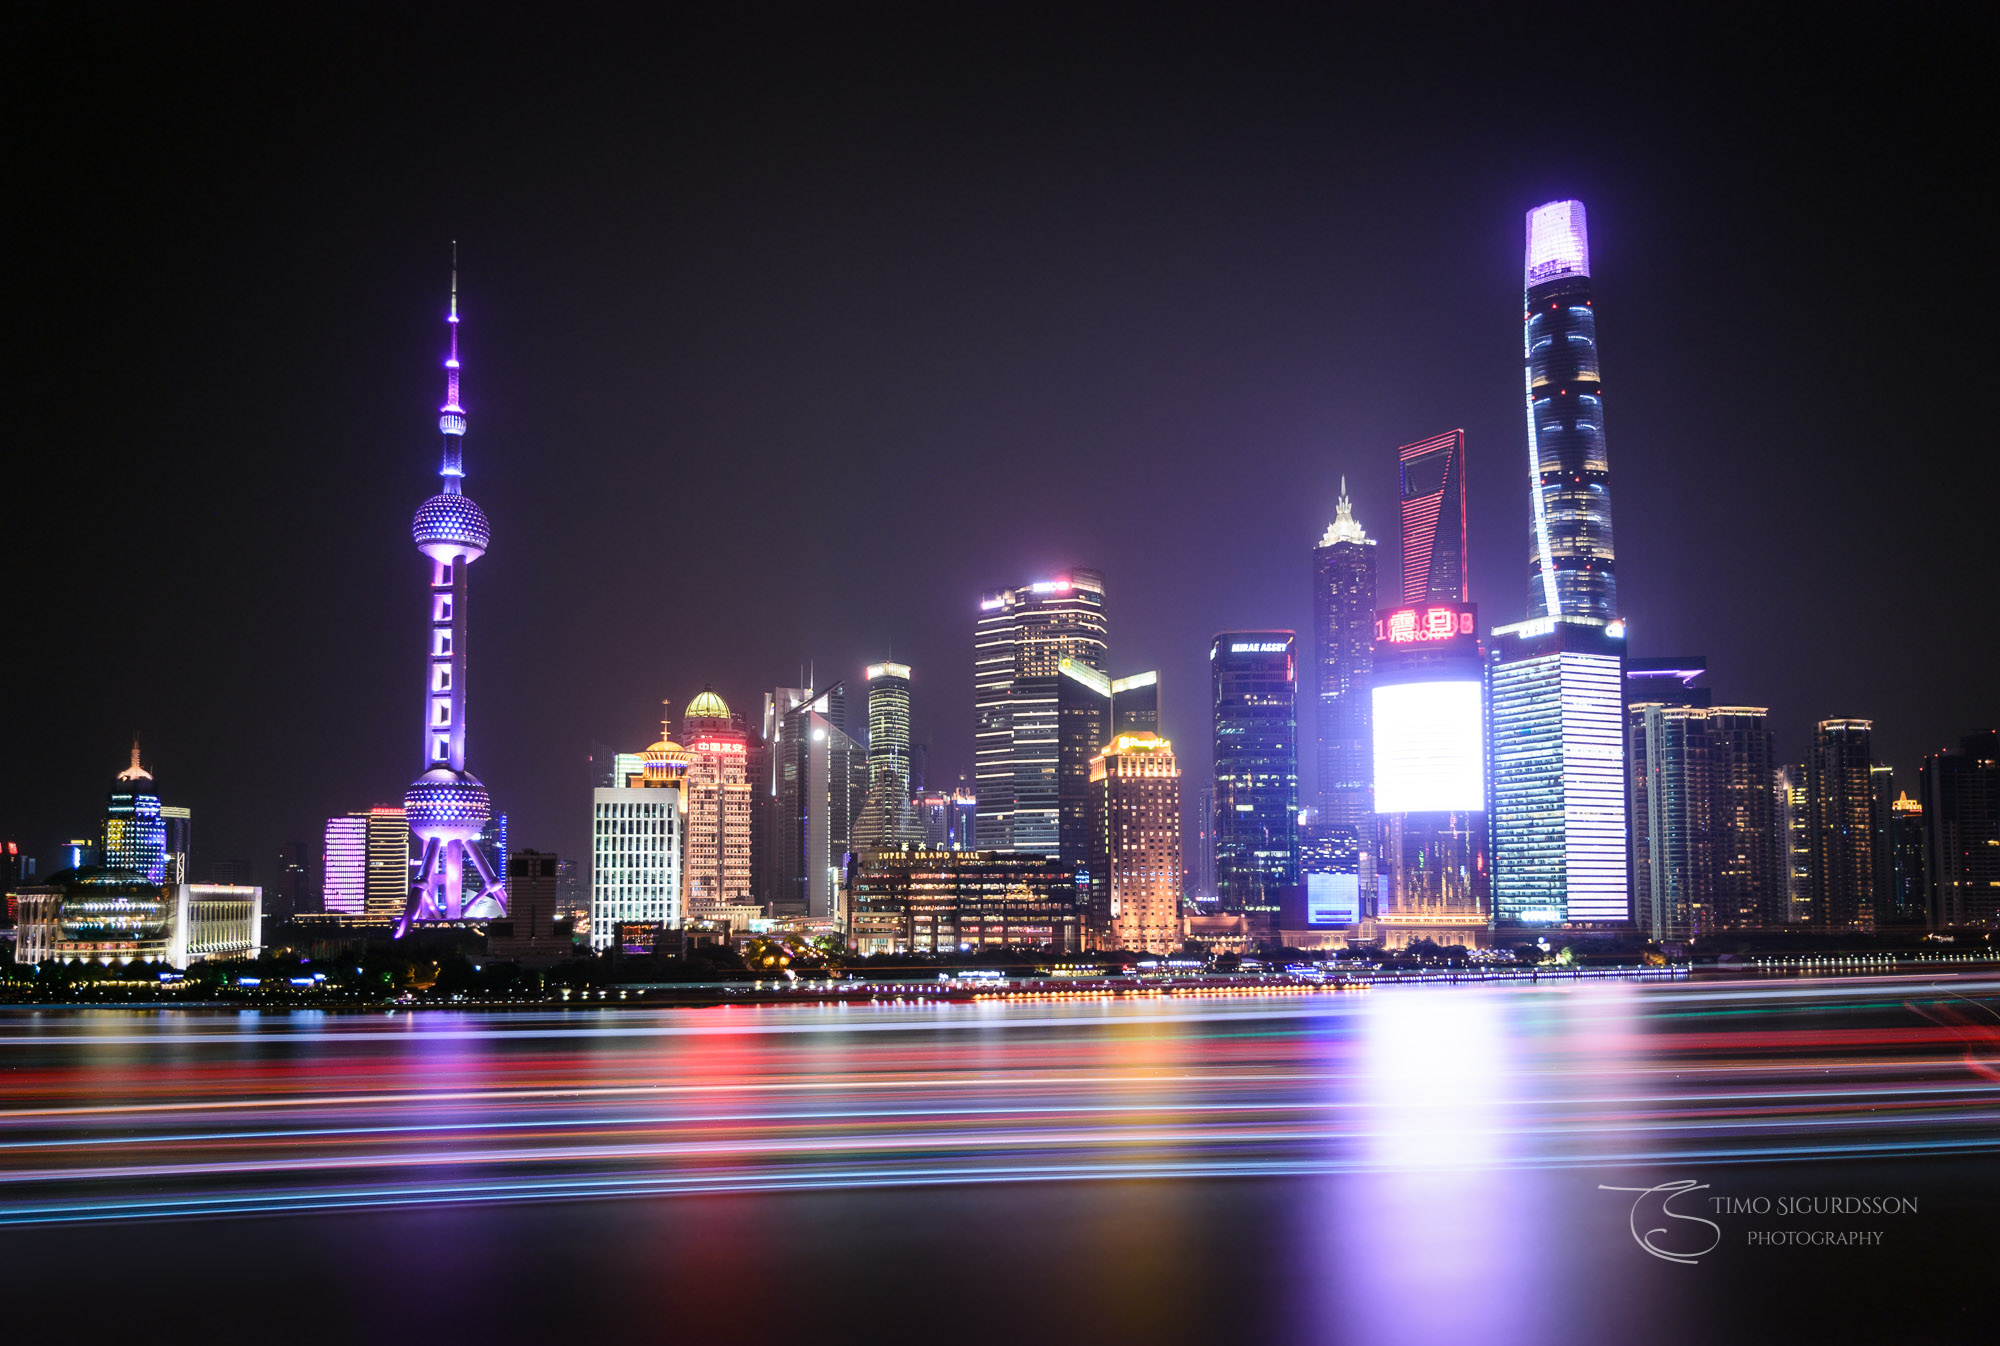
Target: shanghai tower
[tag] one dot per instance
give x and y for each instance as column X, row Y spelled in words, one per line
column 446, row 805
column 1572, row 568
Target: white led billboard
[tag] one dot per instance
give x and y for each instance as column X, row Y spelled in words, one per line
column 1333, row 899
column 1428, row 748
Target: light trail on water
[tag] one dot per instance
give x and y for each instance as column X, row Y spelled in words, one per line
column 132, row 1115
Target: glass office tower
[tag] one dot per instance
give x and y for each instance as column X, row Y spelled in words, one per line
column 1572, row 566
column 1432, row 476
column 135, row 835
column 1255, row 675
column 1558, row 753
column 1428, row 689
column 1021, row 640
column 1343, row 655
column 888, row 818
column 1841, row 796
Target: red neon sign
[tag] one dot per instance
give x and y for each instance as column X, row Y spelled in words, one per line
column 1411, row 626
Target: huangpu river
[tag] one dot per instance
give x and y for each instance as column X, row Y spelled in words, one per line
column 1800, row 1160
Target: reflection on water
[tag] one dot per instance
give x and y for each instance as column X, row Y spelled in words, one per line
column 1406, row 1164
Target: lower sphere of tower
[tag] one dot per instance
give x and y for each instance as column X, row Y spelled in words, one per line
column 447, row 805
column 449, row 526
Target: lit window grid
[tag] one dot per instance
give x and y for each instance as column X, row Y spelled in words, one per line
column 636, row 843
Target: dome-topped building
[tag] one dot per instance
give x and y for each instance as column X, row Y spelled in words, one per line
column 706, row 706
column 718, row 807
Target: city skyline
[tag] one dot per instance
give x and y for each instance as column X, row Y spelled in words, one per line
column 1347, row 293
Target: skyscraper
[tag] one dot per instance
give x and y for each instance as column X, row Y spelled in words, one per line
column 1135, row 845
column 135, row 836
column 1572, row 564
column 1702, row 799
column 1909, row 868
column 1429, row 693
column 638, row 839
column 447, row 805
column 292, row 895
column 1255, row 682
column 1022, row 637
column 1560, row 852
column 888, row 818
column 1842, row 800
column 344, row 890
column 1084, row 718
column 1135, row 703
column 1343, row 655
column 1959, row 789
column 822, row 785
column 718, row 787
column 1650, row 682
column 949, row 818
column 1432, row 473
column 1794, row 799
column 1202, row 880
column 772, row 880
column 1672, row 806
column 1749, row 848
column 177, row 820
column 1882, row 846
column 389, row 862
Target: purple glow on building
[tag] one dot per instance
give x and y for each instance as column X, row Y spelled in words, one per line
column 446, row 805
column 1558, row 242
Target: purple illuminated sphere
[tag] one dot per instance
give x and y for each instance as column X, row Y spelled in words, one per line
column 450, row 526
column 444, row 803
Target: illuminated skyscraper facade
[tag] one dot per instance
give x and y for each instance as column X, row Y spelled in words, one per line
column 1842, row 799
column 1022, row 637
column 447, row 806
column 344, row 882
column 638, row 844
column 1343, row 655
column 717, row 862
column 1135, row 850
column 1432, row 476
column 1429, row 694
column 1794, row 798
column 1702, row 800
column 1558, row 755
column 1749, row 850
column 135, row 835
column 1560, row 849
column 1256, row 719
column 178, row 822
column 822, row 788
column 888, row 818
column 1909, row 867
column 388, row 886
column 1959, row 790
column 950, row 819
column 1572, row 563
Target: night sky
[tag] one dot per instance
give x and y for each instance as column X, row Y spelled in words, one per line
column 787, row 332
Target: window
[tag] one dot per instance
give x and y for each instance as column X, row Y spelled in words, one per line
column 440, row 749
column 440, row 713
column 441, row 608
column 441, row 643
column 440, row 677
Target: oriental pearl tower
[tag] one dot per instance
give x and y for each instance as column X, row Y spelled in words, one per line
column 446, row 805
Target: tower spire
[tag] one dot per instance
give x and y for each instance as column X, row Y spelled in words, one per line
column 1344, row 528
column 451, row 416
